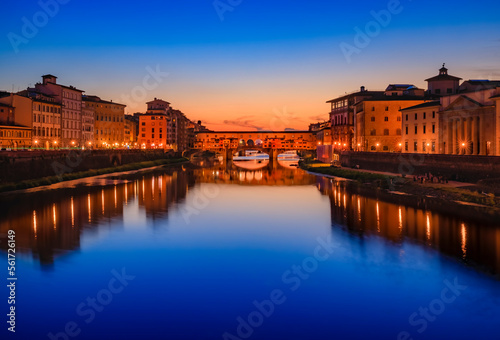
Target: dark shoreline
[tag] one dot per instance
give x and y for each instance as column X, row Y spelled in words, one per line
column 45, row 181
column 414, row 194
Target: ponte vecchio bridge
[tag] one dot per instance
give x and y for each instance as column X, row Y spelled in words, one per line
column 270, row 142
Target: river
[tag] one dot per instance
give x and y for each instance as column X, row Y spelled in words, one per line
column 225, row 252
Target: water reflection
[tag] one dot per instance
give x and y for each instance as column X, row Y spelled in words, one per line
column 476, row 244
column 52, row 223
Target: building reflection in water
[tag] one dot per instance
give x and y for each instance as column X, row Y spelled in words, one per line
column 50, row 223
column 475, row 243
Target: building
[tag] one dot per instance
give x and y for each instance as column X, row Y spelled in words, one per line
column 131, row 126
column 158, row 126
column 71, row 118
column 289, row 140
column 46, row 119
column 16, row 118
column 109, row 125
column 420, row 124
column 164, row 127
column 378, row 121
column 192, row 129
column 88, row 124
column 13, row 136
column 443, row 84
column 469, row 119
column 342, row 118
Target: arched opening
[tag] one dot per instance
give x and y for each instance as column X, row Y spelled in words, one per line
column 250, row 142
column 258, row 142
column 242, row 142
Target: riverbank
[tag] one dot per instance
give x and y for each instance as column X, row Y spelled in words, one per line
column 44, row 181
column 451, row 193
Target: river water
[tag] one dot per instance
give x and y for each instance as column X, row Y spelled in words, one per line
column 252, row 252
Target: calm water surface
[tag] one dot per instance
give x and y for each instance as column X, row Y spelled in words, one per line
column 227, row 252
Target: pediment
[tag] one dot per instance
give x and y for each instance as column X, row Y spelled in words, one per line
column 463, row 103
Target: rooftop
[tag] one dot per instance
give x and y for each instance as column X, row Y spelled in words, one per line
column 423, row 105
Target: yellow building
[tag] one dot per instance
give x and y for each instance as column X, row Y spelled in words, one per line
column 108, row 122
column 378, row 125
column 421, row 128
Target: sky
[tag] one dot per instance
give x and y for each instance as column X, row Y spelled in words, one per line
column 241, row 64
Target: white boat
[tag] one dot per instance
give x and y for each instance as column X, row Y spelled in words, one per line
column 251, row 155
column 290, row 155
column 252, row 164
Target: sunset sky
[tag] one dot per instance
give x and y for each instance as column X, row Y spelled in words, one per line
column 256, row 65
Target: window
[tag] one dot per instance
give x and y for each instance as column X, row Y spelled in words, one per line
column 438, row 91
column 387, row 108
column 406, row 117
column 153, row 135
column 373, row 119
column 416, row 129
column 406, row 130
column 373, row 108
column 449, row 90
column 416, row 116
column 386, row 148
column 399, row 118
column 425, row 115
column 433, row 114
column 406, row 146
column 398, row 132
column 143, row 129
column 424, row 129
column 415, row 146
column 373, row 148
column 433, row 146
column 373, row 132
column 433, row 128
column 143, row 135
column 386, row 119
column 386, row 132
column 161, row 136
column 143, row 124
column 424, row 146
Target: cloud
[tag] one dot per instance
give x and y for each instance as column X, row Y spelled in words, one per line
column 318, row 118
column 244, row 122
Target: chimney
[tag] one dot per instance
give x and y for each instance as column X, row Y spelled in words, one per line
column 363, row 89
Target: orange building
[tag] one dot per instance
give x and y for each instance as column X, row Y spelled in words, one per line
column 153, row 131
column 379, row 122
column 291, row 140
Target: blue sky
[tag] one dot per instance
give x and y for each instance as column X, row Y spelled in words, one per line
column 264, row 57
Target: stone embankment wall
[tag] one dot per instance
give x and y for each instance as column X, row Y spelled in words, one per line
column 22, row 165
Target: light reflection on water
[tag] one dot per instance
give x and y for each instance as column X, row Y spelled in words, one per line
column 205, row 243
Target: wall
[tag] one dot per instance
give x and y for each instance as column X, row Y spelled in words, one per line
column 21, row 165
column 466, row 168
